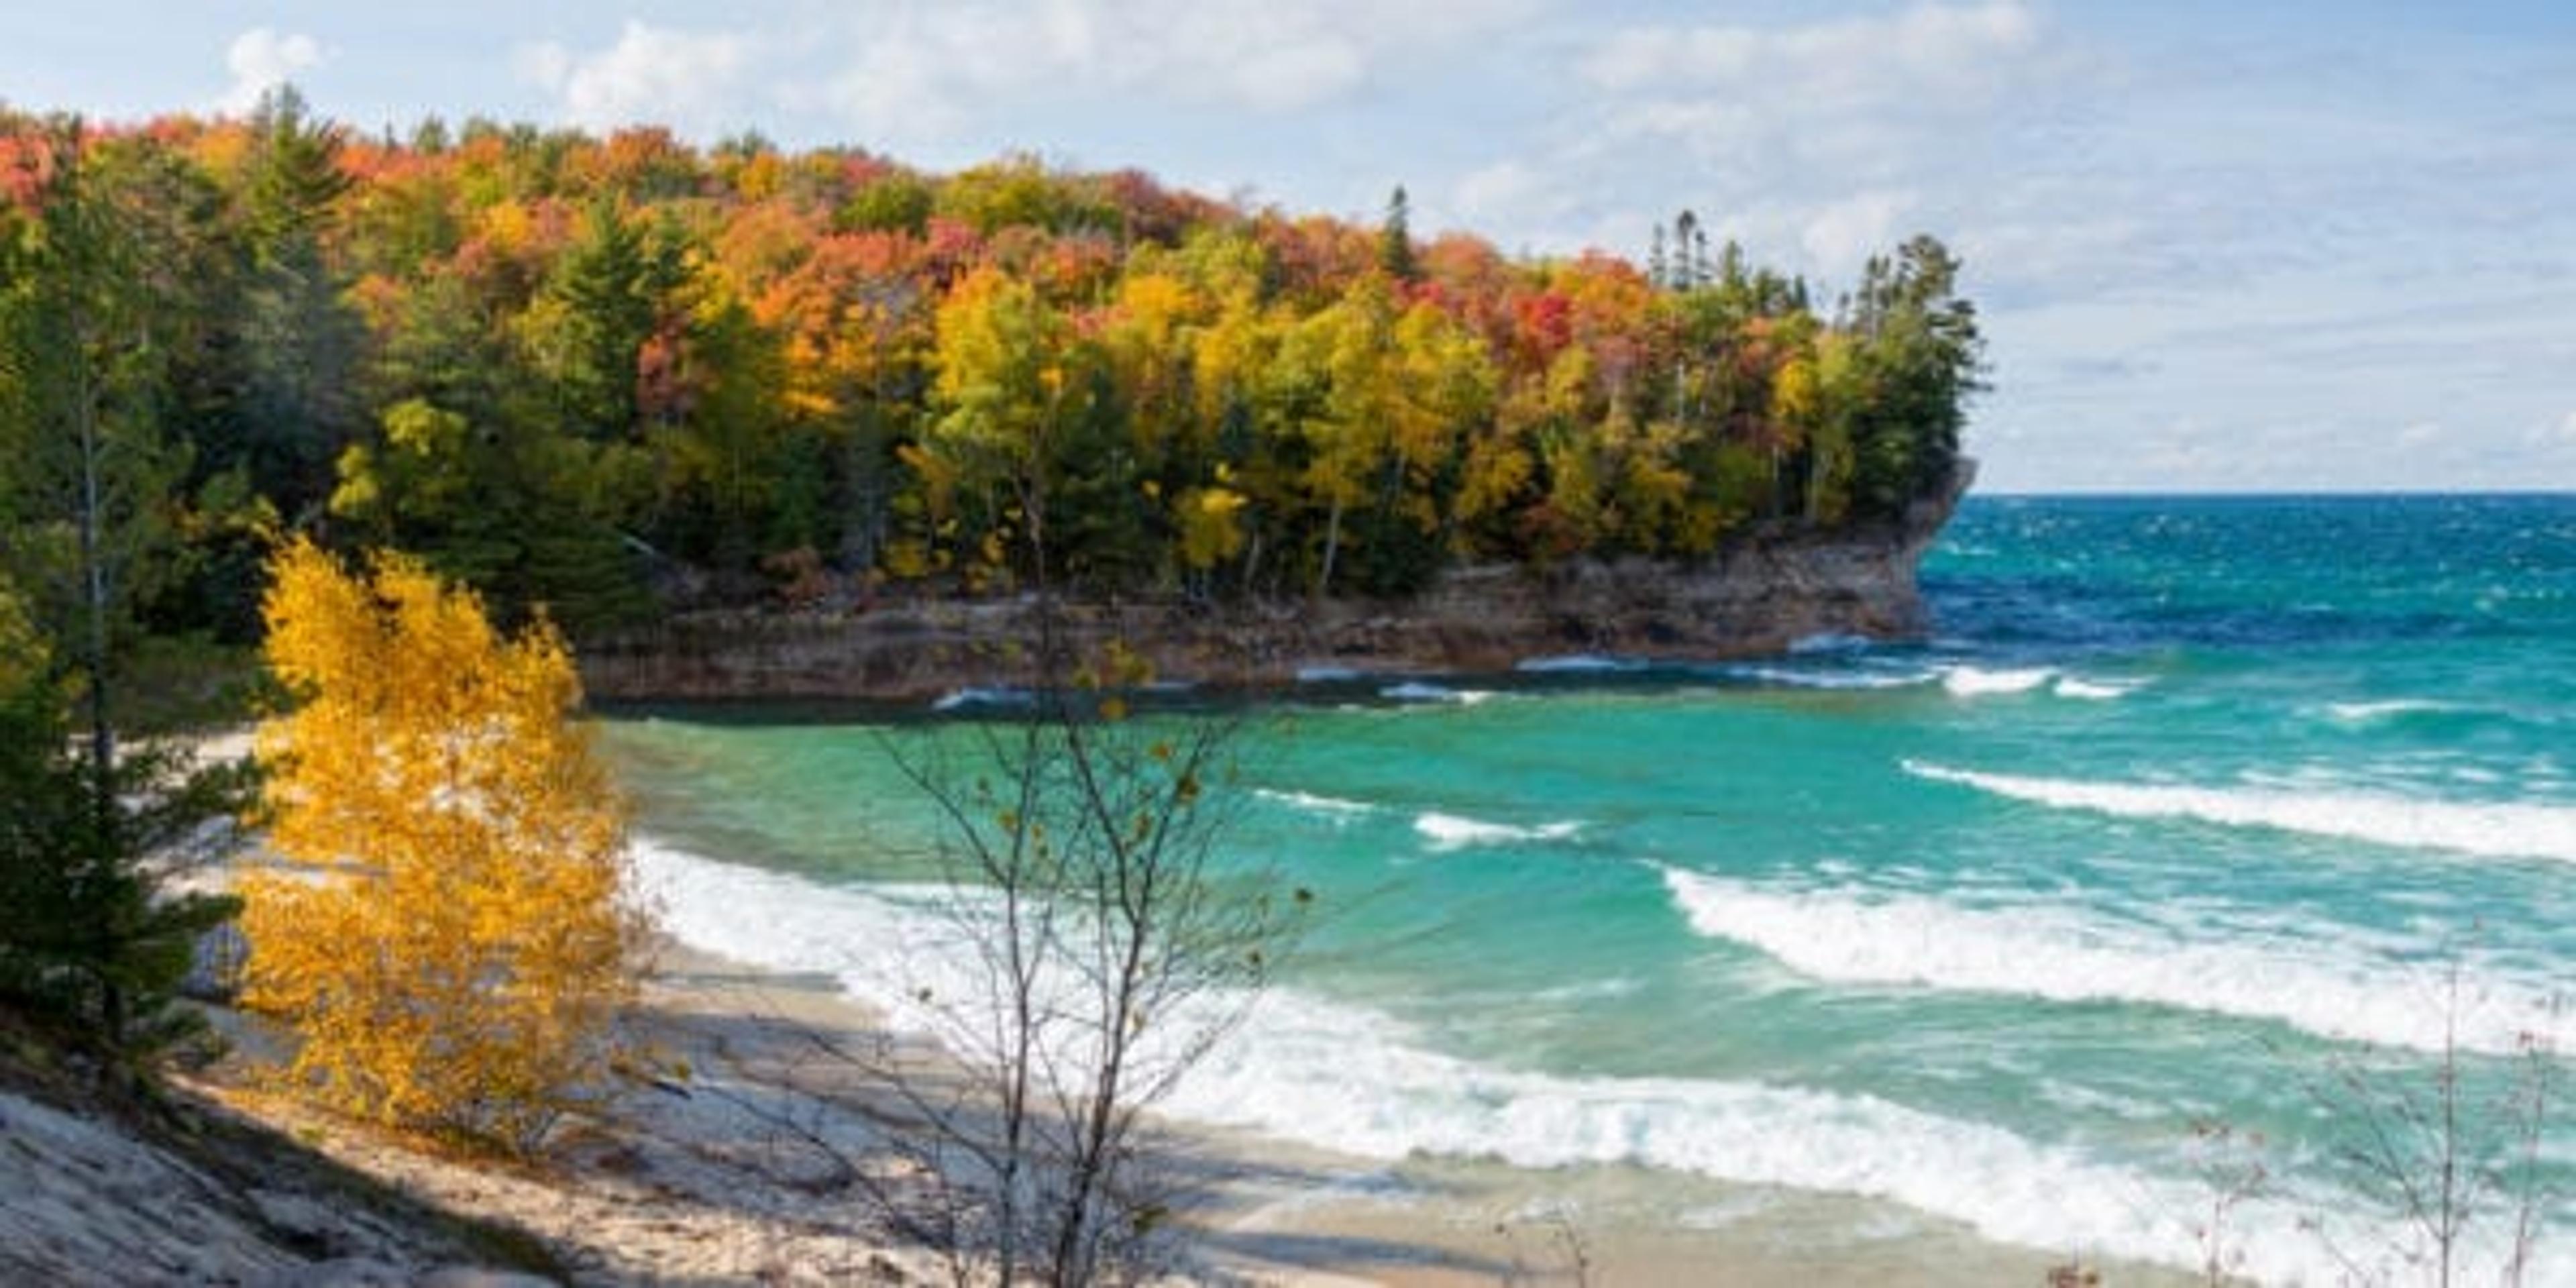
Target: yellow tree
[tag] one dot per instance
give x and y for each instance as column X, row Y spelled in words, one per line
column 1833, row 386
column 1234, row 370
column 1449, row 390
column 1150, row 343
column 1352, row 342
column 1009, row 366
column 1407, row 388
column 460, row 935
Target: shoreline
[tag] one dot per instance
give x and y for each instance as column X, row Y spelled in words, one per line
column 1335, row 686
column 1276, row 1212
column 740, row 1170
column 1753, row 597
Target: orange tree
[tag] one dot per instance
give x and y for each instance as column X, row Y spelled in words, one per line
column 454, row 935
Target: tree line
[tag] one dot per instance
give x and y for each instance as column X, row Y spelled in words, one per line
column 598, row 376
column 586, row 372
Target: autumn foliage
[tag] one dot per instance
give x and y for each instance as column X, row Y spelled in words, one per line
column 610, row 374
column 459, row 936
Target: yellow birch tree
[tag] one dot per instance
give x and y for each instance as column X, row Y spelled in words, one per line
column 460, row 935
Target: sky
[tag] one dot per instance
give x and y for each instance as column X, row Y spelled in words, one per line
column 2217, row 245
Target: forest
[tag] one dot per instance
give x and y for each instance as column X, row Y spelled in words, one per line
column 616, row 376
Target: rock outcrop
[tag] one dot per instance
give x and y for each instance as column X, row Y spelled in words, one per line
column 1753, row 597
column 90, row 1204
column 85, row 1199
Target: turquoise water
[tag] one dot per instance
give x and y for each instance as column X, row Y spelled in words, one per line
column 2190, row 808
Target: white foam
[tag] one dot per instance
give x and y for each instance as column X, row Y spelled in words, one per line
column 1359, row 1083
column 1326, row 674
column 1829, row 642
column 912, row 952
column 2070, row 686
column 1978, row 682
column 1343, row 1078
column 1420, row 691
column 1805, row 679
column 1451, row 832
column 2373, row 712
column 1850, row 935
column 1333, row 807
column 969, row 699
column 1575, row 664
column 2498, row 828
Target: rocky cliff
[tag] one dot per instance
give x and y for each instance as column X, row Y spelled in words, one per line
column 1752, row 597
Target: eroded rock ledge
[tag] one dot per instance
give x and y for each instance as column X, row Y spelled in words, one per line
column 1753, row 597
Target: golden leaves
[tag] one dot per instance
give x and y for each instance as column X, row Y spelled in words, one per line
column 460, row 939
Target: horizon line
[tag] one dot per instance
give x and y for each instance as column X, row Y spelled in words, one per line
column 2261, row 493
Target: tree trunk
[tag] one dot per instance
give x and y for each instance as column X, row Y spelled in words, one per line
column 1332, row 548
column 93, row 574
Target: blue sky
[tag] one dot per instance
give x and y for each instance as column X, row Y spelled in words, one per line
column 2219, row 245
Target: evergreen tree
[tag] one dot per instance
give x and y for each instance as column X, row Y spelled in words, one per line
column 300, row 345
column 87, row 937
column 1395, row 238
column 589, row 326
column 85, row 473
column 1920, row 356
column 1689, row 253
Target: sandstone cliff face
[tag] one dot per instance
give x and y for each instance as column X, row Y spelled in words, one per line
column 1752, row 598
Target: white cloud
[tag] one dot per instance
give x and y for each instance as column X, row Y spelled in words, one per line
column 1502, row 193
column 261, row 60
column 1813, row 143
column 1296, row 75
column 2552, row 438
column 2180, row 448
column 1928, row 46
column 652, row 75
column 1865, row 96
column 1844, row 234
column 936, row 70
column 2419, row 434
